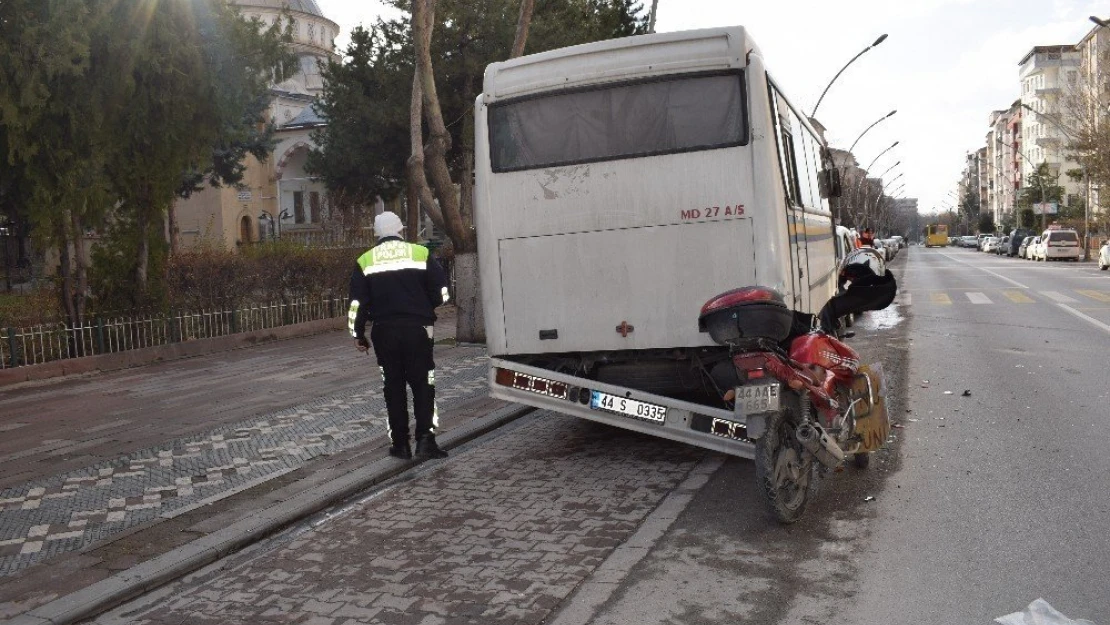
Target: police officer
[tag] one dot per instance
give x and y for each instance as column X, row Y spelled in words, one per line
column 397, row 286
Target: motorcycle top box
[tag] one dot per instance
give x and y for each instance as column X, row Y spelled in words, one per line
column 753, row 312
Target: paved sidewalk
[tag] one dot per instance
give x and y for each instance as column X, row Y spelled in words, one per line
column 102, row 472
column 501, row 533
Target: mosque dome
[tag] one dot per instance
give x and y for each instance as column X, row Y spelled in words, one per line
column 304, row 6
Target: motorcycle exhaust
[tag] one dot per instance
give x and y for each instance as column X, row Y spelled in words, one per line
column 818, row 443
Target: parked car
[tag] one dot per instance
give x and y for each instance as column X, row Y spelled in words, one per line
column 1104, row 256
column 1060, row 244
column 878, row 245
column 990, row 244
column 969, row 241
column 1034, row 252
column 1002, row 246
column 1017, row 237
column 893, row 246
column 1024, row 246
column 979, row 240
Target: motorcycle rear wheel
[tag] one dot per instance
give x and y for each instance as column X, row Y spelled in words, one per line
column 786, row 474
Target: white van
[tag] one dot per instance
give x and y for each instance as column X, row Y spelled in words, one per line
column 619, row 186
column 1059, row 244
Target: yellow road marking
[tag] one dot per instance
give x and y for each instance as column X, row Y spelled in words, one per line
column 940, row 298
column 1099, row 295
column 1018, row 297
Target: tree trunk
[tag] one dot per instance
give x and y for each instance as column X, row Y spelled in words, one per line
column 466, row 181
column 522, row 24
column 412, row 210
column 171, row 216
column 470, row 326
column 431, row 162
column 81, row 280
column 418, row 181
column 142, row 254
column 66, row 267
column 435, row 165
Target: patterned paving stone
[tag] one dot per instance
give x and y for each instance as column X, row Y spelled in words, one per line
column 45, row 518
column 499, row 534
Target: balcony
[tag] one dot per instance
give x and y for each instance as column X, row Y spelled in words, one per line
column 1047, row 141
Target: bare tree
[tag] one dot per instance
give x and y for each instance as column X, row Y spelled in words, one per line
column 447, row 204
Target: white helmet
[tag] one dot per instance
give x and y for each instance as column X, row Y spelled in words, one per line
column 868, row 256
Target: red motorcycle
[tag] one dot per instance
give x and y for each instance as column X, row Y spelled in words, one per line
column 809, row 404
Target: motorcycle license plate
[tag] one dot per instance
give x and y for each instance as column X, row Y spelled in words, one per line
column 758, row 398
column 627, row 407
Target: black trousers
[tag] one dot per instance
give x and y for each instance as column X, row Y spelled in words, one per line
column 404, row 355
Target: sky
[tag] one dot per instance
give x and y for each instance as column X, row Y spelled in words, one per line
column 945, row 65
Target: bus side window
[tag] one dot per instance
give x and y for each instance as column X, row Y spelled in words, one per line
column 792, row 168
column 813, row 169
column 787, row 163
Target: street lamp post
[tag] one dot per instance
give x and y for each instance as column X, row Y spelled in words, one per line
column 875, row 123
column 878, row 196
column 877, row 42
column 873, row 161
column 890, row 168
column 859, row 185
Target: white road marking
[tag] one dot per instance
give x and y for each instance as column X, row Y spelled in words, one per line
column 1059, row 297
column 1087, row 318
column 997, row 275
column 979, row 298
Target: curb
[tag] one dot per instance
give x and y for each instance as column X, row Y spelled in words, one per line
column 168, row 567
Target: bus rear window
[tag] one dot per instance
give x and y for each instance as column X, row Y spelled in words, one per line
column 628, row 120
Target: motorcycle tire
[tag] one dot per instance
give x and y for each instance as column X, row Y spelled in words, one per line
column 861, row 460
column 786, row 474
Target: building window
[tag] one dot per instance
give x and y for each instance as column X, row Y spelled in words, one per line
column 298, row 207
column 312, row 31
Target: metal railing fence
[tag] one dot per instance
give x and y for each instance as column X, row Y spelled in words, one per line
column 38, row 344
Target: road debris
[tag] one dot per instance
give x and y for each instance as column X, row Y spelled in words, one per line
column 966, row 393
column 1039, row 613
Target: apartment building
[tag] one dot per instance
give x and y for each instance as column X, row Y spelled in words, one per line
column 1003, row 162
column 1048, row 74
column 1094, row 74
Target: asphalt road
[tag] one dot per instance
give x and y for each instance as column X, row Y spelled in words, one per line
column 1003, row 496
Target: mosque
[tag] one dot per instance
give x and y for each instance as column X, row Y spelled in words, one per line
column 277, row 197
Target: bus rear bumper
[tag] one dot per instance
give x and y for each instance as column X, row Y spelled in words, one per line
column 686, row 422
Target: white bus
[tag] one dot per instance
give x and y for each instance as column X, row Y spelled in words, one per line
column 620, row 185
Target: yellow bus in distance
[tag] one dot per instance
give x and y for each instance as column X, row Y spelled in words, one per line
column 936, row 235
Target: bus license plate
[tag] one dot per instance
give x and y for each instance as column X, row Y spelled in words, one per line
column 628, row 407
column 758, row 398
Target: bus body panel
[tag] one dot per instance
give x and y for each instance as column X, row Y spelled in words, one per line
column 626, row 288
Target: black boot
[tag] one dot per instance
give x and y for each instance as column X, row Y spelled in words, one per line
column 427, row 449
column 401, row 450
